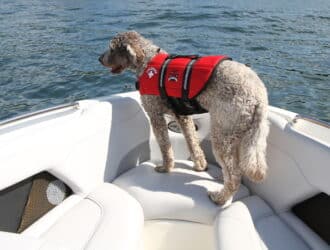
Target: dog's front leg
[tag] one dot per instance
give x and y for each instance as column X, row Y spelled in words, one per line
column 188, row 128
column 159, row 127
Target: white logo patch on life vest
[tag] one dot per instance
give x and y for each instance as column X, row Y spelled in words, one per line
column 151, row 72
column 173, row 77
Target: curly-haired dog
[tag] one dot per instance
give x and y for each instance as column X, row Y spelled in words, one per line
column 237, row 102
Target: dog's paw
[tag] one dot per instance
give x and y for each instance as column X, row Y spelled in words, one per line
column 200, row 165
column 162, row 169
column 256, row 175
column 217, row 197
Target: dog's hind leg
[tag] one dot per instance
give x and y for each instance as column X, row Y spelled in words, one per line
column 252, row 149
column 225, row 149
column 188, row 128
column 159, row 126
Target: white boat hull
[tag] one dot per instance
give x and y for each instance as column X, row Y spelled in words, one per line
column 94, row 141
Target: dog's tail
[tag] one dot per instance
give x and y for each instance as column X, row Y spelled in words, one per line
column 252, row 149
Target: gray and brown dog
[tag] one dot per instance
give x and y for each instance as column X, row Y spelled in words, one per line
column 237, row 102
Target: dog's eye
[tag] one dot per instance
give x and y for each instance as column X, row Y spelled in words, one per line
column 111, row 50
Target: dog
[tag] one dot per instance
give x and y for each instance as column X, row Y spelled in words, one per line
column 235, row 98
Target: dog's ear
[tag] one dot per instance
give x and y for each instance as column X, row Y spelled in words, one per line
column 135, row 52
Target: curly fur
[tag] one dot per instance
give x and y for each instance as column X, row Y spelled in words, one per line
column 236, row 99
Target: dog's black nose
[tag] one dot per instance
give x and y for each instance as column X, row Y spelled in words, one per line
column 101, row 59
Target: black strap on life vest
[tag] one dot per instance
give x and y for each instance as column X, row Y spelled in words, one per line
column 187, row 75
column 161, row 83
column 186, row 79
column 184, row 105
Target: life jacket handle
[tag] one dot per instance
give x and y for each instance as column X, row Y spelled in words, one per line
column 173, row 56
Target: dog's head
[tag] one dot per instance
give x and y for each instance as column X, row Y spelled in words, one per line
column 125, row 52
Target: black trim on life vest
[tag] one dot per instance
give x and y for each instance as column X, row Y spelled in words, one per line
column 161, row 83
column 198, row 109
column 186, row 80
column 183, row 105
column 180, row 106
column 173, row 56
column 184, row 91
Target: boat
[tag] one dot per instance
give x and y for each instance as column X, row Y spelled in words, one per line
column 81, row 176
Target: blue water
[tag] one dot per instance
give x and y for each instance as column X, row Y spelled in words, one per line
column 49, row 49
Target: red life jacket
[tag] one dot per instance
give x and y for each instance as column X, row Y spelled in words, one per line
column 178, row 80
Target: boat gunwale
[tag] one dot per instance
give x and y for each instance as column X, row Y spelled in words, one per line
column 74, row 105
column 310, row 119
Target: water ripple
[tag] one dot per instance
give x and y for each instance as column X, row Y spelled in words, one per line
column 49, row 49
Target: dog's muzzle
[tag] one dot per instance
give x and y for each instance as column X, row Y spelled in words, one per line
column 101, row 59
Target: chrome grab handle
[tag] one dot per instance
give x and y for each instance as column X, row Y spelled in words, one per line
column 310, row 119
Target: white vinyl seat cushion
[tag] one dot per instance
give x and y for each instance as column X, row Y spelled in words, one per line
column 15, row 241
column 108, row 218
column 251, row 224
column 178, row 195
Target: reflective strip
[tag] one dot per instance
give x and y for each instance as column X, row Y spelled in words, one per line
column 188, row 72
column 162, row 72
